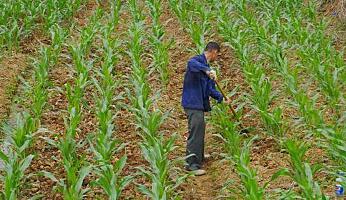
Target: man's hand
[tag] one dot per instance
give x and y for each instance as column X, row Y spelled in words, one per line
column 212, row 74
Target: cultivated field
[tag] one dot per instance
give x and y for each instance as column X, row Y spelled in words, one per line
column 90, row 99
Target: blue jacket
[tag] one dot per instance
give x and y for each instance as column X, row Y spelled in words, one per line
column 198, row 87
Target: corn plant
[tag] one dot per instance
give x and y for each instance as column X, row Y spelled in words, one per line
column 181, row 10
column 160, row 47
column 136, row 12
column 75, row 167
column 115, row 13
column 312, row 45
column 55, row 11
column 305, row 33
column 39, row 91
column 155, row 147
column 163, row 187
column 58, row 36
column 89, row 32
column 18, row 18
column 328, row 80
column 199, row 28
column 105, row 145
column 49, row 57
column 255, row 76
column 273, row 49
column 14, row 157
column 14, row 168
column 200, row 31
column 301, row 171
column 16, row 160
column 228, row 129
column 155, row 150
column 238, row 155
column 334, row 141
column 250, row 188
column 306, row 106
column 74, row 164
column 106, row 86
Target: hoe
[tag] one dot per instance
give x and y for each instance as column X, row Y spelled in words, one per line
column 243, row 130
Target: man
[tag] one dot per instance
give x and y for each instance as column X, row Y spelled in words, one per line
column 198, row 86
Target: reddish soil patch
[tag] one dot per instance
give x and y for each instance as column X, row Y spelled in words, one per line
column 10, row 68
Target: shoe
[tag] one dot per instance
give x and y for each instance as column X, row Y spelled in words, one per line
column 195, row 171
column 199, row 172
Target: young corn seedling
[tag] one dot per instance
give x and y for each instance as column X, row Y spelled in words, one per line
column 155, row 13
column 13, row 167
column 273, row 50
column 181, row 10
column 160, row 47
column 250, row 189
column 19, row 139
column 115, row 13
column 56, row 11
column 88, row 33
column 238, row 156
column 58, row 36
column 155, row 148
column 39, row 90
column 105, row 147
column 156, row 153
column 227, row 128
column 261, row 95
column 14, row 157
column 74, row 164
column 136, row 12
column 317, row 56
column 49, row 57
column 310, row 51
column 328, row 79
column 334, row 141
column 311, row 116
column 301, row 171
column 106, row 86
column 19, row 18
column 199, row 30
column 186, row 12
column 17, row 21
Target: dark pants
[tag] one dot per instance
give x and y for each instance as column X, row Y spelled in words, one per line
column 195, row 141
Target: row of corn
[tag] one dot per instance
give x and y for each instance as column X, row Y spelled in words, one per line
column 155, row 145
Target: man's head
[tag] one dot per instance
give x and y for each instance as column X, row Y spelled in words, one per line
column 212, row 51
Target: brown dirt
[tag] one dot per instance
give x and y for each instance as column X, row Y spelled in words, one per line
column 9, row 70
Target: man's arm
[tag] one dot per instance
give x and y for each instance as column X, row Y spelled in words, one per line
column 213, row 92
column 196, row 66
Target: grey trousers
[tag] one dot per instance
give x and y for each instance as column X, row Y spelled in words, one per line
column 195, row 141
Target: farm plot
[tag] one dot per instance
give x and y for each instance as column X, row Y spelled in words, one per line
column 100, row 117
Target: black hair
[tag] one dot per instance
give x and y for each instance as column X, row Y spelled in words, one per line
column 212, row 46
